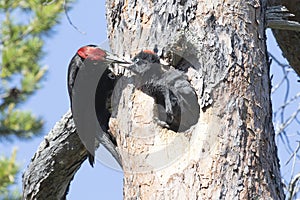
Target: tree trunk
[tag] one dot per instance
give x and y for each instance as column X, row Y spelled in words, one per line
column 230, row 153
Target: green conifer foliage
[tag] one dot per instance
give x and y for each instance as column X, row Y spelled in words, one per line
column 24, row 25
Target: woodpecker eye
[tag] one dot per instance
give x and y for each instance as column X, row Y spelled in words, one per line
column 136, row 60
column 111, row 76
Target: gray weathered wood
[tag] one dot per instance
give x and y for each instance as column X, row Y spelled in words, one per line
column 278, row 18
column 289, row 40
column 225, row 45
column 55, row 163
column 231, row 152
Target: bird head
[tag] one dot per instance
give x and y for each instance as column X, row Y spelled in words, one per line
column 144, row 61
column 89, row 57
column 95, row 54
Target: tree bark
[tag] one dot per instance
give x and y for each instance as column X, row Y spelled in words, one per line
column 230, row 153
column 55, row 163
column 289, row 41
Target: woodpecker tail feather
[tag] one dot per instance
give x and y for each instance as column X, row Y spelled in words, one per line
column 91, row 159
column 106, row 141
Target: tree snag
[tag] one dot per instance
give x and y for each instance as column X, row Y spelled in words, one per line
column 230, row 153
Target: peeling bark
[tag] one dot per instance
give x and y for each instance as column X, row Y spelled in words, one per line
column 55, row 163
column 230, row 153
column 289, row 41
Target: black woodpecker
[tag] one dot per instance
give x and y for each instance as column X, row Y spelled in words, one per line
column 170, row 88
column 90, row 85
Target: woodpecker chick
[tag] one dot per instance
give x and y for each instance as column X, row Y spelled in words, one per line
column 170, row 88
column 90, row 85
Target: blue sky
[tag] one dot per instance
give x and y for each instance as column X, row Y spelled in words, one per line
column 51, row 102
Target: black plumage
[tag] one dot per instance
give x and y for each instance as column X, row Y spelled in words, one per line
column 170, row 88
column 90, row 85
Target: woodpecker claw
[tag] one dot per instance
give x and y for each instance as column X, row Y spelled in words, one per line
column 161, row 123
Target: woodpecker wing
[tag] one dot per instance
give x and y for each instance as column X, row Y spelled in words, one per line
column 186, row 99
column 83, row 103
column 170, row 89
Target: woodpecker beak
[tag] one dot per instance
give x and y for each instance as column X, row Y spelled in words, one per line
column 115, row 59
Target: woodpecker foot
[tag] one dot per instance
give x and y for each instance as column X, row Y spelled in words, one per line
column 161, row 123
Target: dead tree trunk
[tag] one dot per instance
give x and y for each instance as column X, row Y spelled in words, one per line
column 230, row 153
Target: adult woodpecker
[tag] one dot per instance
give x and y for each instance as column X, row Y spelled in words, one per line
column 170, row 88
column 90, row 85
